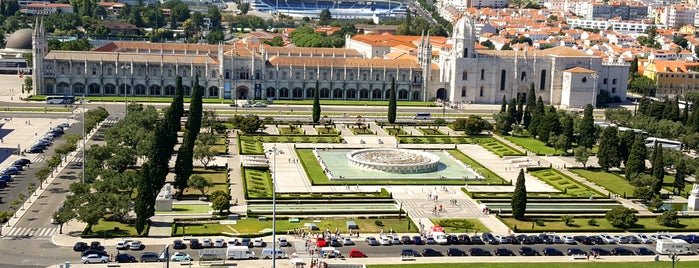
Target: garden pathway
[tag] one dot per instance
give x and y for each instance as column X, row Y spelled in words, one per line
column 309, row 130
column 545, row 162
column 412, row 131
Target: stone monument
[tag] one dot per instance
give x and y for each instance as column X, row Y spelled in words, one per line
column 693, row 199
column 164, row 200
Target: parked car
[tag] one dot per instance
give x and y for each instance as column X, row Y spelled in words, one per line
column 479, row 252
column 258, row 242
column 464, row 239
column 535, row 239
column 96, row 245
column 417, row 240
column 355, row 253
column 599, row 252
column 406, row 240
column 582, row 239
column 455, row 252
column 501, row 239
column 219, row 243
column 575, row 251
column 621, row 251
column 372, row 241
column 10, row 171
column 524, row 239
column 396, row 241
column 568, row 240
column 95, row 258
column 489, row 238
column 527, row 251
column 633, row 239
column 6, row 178
column 430, row 241
column 136, row 245
column 556, row 239
column 346, row 241
column 385, row 241
column 178, row 244
column 644, row 251
column 80, row 246
column 283, row 242
column 608, row 239
column 22, row 161
column 36, row 150
column 552, row 252
column 259, row 104
column 409, row 252
column 453, row 240
column 320, row 242
column 248, row 243
column 644, row 238
column 90, row 251
column 150, row 257
column 503, row 252
column 430, row 252
column 122, row 245
column 180, row 256
column 123, row 257
column 621, row 239
column 207, row 243
column 597, row 240
column 194, row 244
column 476, row 240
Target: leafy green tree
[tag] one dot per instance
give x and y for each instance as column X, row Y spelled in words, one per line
column 502, row 123
column 391, row 102
column 244, row 8
column 643, row 192
column 669, row 219
column 199, row 183
column 276, row 41
column 183, row 164
column 587, row 128
column 642, row 85
column 581, row 155
column 637, row 158
column 61, row 217
column 203, row 150
column 658, row 168
column 519, row 197
column 220, row 203
column 621, row 217
column 324, row 17
column 608, row 154
column 474, row 125
column 250, row 124
column 316, row 104
column 41, row 175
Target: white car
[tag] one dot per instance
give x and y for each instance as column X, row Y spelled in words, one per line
column 219, row 243
column 385, row 241
column 644, row 238
column 206, row 242
column 180, row 256
column 283, row 242
column 95, row 258
column 258, row 243
column 556, row 239
column 122, row 245
column 568, row 240
column 136, row 245
column 259, row 104
column 346, row 241
column 608, row 239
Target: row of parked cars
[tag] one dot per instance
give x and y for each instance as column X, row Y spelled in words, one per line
column 16, row 168
column 525, row 251
column 544, row 238
column 47, row 140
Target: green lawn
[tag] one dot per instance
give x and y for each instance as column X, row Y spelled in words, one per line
column 504, row 195
column 533, row 145
column 435, row 139
column 461, row 225
column 354, row 103
column 290, row 131
column 220, row 146
column 110, row 229
column 187, row 209
column 668, row 182
column 430, row 131
column 580, row 224
column 250, row 145
column 490, row 176
column 395, row 131
column 258, row 183
column 254, row 226
column 217, row 176
column 317, row 176
column 498, row 148
column 582, row 264
column 564, row 183
column 610, row 181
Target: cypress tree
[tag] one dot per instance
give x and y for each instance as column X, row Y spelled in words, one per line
column 587, row 128
column 316, row 104
column 568, row 130
column 680, row 175
column 675, row 109
column 531, row 104
column 183, row 164
column 625, row 143
column 392, row 102
column 512, row 110
column 658, row 168
column 503, row 106
column 608, row 154
column 637, row 158
column 519, row 197
column 520, row 110
column 634, row 67
column 537, row 117
column 685, row 114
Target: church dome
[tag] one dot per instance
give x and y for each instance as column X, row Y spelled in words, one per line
column 21, row 39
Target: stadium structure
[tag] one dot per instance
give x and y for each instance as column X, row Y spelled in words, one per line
column 339, row 9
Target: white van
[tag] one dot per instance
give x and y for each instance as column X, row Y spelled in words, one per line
column 268, row 253
column 669, row 246
column 440, row 238
column 239, row 253
column 330, row 252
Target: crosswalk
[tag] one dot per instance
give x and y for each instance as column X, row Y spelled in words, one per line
column 31, row 232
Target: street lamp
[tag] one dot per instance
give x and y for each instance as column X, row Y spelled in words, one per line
column 84, row 137
column 674, row 258
column 274, row 151
column 124, row 67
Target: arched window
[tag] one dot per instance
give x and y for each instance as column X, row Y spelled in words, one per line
column 463, row 91
column 480, row 93
column 523, row 76
column 482, row 74
column 503, row 79
column 542, row 81
column 464, row 76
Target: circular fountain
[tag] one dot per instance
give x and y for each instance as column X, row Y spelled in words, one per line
column 394, row 160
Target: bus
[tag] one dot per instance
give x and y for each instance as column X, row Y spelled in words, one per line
column 423, row 116
column 60, row 99
column 667, row 144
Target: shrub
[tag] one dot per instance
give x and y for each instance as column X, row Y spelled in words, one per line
column 669, row 219
column 378, row 223
column 540, row 223
column 568, row 219
column 621, row 217
column 592, row 222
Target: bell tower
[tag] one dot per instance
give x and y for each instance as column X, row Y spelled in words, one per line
column 39, row 50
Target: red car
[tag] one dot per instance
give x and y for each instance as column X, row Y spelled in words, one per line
column 320, row 242
column 355, row 253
